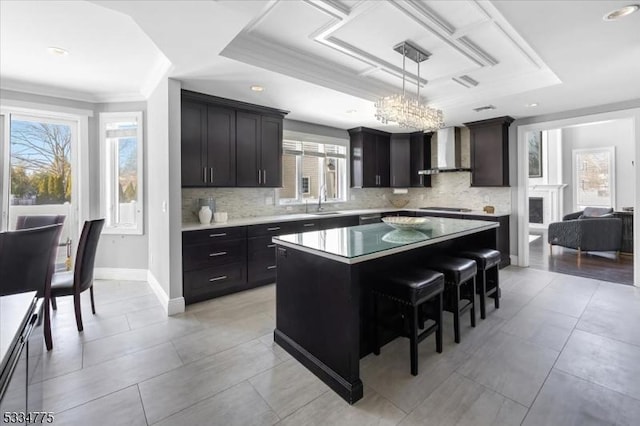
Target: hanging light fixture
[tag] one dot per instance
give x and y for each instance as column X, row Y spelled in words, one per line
column 405, row 110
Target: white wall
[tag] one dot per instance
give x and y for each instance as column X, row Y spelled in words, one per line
column 616, row 133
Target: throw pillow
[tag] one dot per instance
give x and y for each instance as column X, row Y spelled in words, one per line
column 596, row 211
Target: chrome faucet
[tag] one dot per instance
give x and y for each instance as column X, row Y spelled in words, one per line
column 322, row 187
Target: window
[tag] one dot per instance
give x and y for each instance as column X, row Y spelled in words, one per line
column 121, row 142
column 311, row 170
column 594, row 174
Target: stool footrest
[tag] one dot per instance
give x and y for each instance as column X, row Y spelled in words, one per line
column 427, row 332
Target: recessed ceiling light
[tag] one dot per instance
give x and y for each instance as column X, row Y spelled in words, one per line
column 57, row 51
column 531, row 105
column 619, row 13
column 257, row 88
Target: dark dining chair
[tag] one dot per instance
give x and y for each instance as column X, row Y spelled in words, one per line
column 34, row 221
column 27, row 259
column 73, row 283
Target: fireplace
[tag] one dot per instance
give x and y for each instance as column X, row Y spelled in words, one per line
column 536, row 212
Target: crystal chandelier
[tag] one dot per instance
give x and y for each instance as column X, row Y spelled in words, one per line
column 405, row 110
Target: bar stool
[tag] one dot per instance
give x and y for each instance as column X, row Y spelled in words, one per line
column 460, row 280
column 412, row 288
column 488, row 261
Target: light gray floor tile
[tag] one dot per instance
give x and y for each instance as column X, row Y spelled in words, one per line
column 568, row 400
column 526, row 285
column 62, row 359
column 562, row 301
column 224, row 314
column 460, row 401
column 101, row 350
column 288, row 387
column 510, row 304
column 146, row 317
column 267, row 340
column 171, row 392
column 330, row 409
column 389, row 373
column 119, row 408
column 238, row 406
column 604, row 361
column 510, row 366
column 68, row 334
column 621, row 324
column 574, row 284
column 616, row 297
column 81, row 386
column 470, row 338
column 542, row 327
column 217, row 338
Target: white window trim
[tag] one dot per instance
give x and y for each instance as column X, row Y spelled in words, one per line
column 612, row 171
column 279, row 201
column 138, row 229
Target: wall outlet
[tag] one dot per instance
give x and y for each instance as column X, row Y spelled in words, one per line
column 268, row 201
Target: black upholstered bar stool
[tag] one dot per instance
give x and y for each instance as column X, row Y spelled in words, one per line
column 488, row 283
column 460, row 287
column 412, row 288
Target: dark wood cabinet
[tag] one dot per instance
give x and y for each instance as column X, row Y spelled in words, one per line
column 490, row 151
column 627, row 231
column 370, row 158
column 420, row 159
column 194, row 143
column 208, row 145
column 400, row 152
column 227, row 143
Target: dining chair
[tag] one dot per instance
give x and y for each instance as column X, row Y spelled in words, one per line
column 73, row 283
column 34, row 221
column 27, row 258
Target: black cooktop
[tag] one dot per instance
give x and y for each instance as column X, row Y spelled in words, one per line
column 447, row 209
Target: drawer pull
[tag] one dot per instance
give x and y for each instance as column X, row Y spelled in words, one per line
column 275, row 228
column 220, row 253
column 309, row 224
column 223, row 277
column 222, row 234
column 271, row 267
column 271, row 245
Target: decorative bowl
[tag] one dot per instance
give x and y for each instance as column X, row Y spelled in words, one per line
column 404, row 222
column 404, row 236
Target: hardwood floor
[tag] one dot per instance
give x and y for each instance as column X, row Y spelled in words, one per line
column 601, row 266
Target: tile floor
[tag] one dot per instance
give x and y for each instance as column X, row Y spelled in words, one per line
column 562, row 350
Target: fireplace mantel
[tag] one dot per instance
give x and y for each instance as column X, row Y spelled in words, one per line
column 552, row 202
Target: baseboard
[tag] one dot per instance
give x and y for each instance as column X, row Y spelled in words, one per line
column 171, row 306
column 120, row 274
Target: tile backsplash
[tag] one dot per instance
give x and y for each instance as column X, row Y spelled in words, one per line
column 448, row 190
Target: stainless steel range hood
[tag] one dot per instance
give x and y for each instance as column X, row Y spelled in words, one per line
column 448, row 153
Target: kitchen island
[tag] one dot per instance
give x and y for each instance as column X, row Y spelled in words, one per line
column 323, row 300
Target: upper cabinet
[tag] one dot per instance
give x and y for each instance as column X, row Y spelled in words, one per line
column 420, row 159
column 227, row 143
column 370, row 158
column 400, row 160
column 490, row 151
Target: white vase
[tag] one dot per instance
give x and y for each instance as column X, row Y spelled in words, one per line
column 205, row 215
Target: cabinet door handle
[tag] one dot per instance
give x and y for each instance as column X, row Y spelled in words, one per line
column 222, row 234
column 271, row 267
column 259, row 177
column 309, row 224
column 223, row 277
column 271, row 245
column 204, row 174
column 264, row 176
column 220, row 253
column 275, row 228
column 211, row 174
column 394, row 181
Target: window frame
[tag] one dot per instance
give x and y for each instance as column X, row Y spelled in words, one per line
column 612, row 175
column 299, row 155
column 108, row 169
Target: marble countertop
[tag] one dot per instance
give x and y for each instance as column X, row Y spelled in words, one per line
column 361, row 243
column 257, row 220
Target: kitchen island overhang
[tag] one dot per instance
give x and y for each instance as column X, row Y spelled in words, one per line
column 323, row 300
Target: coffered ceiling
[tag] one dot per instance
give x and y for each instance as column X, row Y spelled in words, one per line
column 327, row 60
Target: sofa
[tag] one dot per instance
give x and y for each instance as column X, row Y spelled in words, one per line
column 593, row 229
